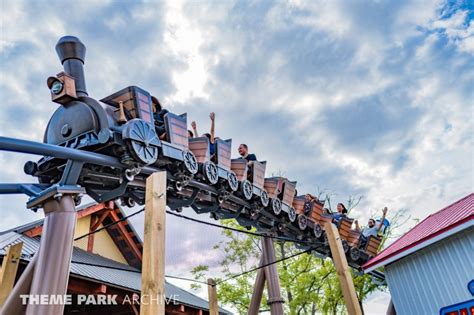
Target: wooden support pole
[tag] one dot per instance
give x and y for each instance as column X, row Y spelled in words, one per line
column 90, row 238
column 153, row 262
column 9, row 269
column 212, row 295
column 342, row 269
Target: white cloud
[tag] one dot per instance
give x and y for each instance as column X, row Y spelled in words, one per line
column 458, row 33
column 184, row 40
column 361, row 98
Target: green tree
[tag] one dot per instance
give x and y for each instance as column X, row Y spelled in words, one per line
column 309, row 283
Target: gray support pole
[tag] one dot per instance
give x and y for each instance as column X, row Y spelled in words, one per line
column 51, row 273
column 258, row 287
column 391, row 308
column 271, row 275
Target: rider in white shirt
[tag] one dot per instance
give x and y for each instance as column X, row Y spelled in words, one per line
column 372, row 229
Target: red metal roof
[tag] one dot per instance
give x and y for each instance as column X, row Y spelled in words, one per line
column 435, row 224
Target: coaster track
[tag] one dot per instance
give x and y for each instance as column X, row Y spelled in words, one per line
column 111, row 146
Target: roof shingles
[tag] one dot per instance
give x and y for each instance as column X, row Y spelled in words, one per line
column 107, row 271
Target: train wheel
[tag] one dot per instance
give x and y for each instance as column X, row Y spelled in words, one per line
column 254, row 214
column 302, row 222
column 128, row 202
column 281, row 227
column 142, row 141
column 317, row 230
column 355, row 253
column 233, row 181
column 264, row 200
column 210, row 172
column 247, row 189
column 276, row 206
column 190, row 162
column 292, row 214
column 221, row 198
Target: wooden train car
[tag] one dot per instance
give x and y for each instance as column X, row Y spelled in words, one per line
column 281, row 192
column 217, row 171
column 309, row 214
column 345, row 229
column 228, row 178
column 251, row 178
column 359, row 252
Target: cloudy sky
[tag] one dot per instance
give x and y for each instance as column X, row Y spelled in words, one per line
column 371, row 98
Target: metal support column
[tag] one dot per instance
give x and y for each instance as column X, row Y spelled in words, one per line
column 270, row 274
column 51, row 274
column 258, row 288
column 275, row 301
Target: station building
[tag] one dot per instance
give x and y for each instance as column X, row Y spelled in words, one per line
column 430, row 269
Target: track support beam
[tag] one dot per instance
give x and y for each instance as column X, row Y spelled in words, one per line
column 212, row 296
column 270, row 275
column 9, row 269
column 153, row 263
column 342, row 269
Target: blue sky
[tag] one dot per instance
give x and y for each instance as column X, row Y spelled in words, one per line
column 371, row 98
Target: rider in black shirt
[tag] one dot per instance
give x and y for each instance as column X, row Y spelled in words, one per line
column 244, row 153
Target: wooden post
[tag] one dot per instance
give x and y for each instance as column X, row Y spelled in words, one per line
column 212, row 295
column 9, row 269
column 153, row 262
column 342, row 269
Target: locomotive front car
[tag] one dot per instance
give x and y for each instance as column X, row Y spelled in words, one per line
column 123, row 126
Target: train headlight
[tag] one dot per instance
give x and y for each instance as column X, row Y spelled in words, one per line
column 62, row 88
column 56, row 87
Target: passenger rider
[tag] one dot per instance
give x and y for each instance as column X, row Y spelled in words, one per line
column 371, row 229
column 244, row 153
column 341, row 213
column 159, row 117
column 210, row 136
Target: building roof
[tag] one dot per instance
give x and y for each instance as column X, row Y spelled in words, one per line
column 437, row 226
column 123, row 234
column 110, row 272
column 31, row 225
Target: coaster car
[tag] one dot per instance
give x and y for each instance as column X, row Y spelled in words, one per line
column 279, row 210
column 216, row 172
column 309, row 214
column 345, row 228
column 360, row 252
column 228, row 182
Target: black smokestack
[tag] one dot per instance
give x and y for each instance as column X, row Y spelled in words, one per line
column 72, row 52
